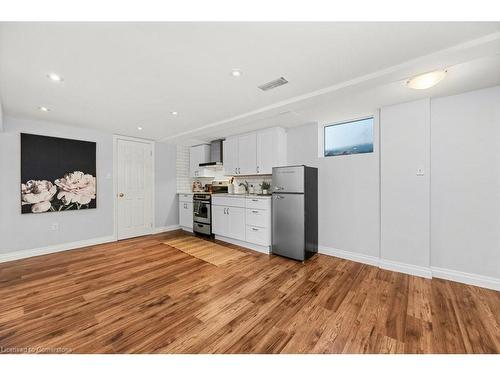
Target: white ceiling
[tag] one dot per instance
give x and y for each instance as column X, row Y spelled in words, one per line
column 118, row 76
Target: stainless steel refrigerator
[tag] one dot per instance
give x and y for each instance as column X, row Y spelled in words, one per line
column 295, row 212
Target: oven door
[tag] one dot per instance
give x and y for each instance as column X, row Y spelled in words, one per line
column 202, row 212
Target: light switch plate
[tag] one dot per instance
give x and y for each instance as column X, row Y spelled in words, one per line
column 420, row 171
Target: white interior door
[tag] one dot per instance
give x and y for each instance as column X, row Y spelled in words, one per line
column 134, row 188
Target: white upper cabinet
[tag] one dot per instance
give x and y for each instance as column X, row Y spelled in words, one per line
column 247, row 154
column 271, row 150
column 230, row 155
column 199, row 154
column 255, row 153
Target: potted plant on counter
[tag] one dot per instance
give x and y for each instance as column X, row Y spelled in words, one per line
column 265, row 186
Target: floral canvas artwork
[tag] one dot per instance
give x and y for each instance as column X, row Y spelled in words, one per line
column 57, row 174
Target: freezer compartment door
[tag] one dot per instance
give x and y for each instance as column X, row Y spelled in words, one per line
column 288, row 226
column 288, row 179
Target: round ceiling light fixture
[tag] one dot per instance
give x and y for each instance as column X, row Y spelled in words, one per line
column 426, row 80
column 139, row 128
column 43, row 109
column 55, row 77
column 174, row 113
column 236, row 73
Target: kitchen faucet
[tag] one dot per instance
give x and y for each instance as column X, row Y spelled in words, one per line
column 245, row 184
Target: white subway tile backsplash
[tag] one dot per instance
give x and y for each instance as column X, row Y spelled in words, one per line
column 184, row 181
column 182, row 167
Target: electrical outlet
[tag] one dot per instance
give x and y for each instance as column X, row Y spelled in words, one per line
column 55, row 226
column 420, row 171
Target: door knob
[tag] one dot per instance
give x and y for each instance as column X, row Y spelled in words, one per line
column 121, row 195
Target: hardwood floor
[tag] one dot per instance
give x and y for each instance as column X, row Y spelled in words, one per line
column 143, row 296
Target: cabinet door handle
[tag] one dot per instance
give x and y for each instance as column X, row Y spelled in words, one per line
column 228, row 210
column 255, row 200
column 255, row 229
column 258, row 169
column 225, row 210
column 255, row 211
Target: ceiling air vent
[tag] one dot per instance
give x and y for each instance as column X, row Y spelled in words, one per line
column 273, row 84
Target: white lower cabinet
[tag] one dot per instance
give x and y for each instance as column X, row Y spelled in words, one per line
column 258, row 218
column 229, row 221
column 186, row 211
column 258, row 235
column 219, row 220
column 236, row 226
column 186, row 214
column 243, row 219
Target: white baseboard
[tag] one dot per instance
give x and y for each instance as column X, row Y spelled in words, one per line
column 409, row 269
column 248, row 245
column 349, row 255
column 426, row 272
column 467, row 278
column 166, row 229
column 21, row 254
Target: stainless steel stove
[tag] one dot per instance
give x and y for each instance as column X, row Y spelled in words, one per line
column 202, row 213
column 202, row 208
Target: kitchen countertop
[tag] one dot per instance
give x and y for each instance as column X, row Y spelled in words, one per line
column 268, row 196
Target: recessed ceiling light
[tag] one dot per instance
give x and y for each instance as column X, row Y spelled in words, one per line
column 426, row 80
column 44, row 109
column 174, row 113
column 139, row 128
column 54, row 77
column 236, row 73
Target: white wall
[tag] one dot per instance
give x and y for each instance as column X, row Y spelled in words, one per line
column 1, row 117
column 23, row 232
column 404, row 193
column 33, row 231
column 445, row 223
column 465, row 182
column 166, row 202
column 348, row 191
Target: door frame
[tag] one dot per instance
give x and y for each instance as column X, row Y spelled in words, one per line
column 117, row 137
